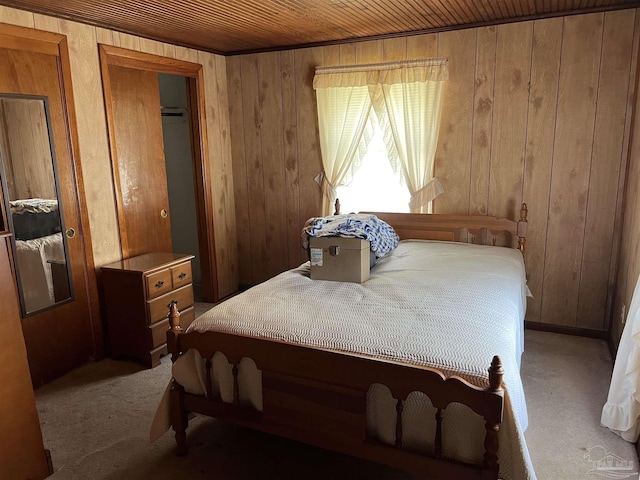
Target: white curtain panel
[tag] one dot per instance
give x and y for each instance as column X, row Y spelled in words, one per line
column 407, row 98
column 621, row 413
column 344, row 106
column 408, row 103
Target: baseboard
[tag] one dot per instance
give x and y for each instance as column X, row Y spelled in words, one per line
column 580, row 332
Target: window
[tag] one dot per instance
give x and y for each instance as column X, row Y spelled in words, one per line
column 405, row 99
column 375, row 187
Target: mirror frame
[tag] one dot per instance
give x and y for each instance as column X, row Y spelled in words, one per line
column 9, row 218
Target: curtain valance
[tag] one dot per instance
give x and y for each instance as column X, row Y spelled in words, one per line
column 430, row 70
column 406, row 100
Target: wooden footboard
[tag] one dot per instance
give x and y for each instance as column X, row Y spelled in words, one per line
column 320, row 397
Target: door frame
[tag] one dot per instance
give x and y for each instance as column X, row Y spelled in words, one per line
column 194, row 72
column 38, row 41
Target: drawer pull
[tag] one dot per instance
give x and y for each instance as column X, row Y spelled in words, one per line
column 182, row 275
column 159, row 284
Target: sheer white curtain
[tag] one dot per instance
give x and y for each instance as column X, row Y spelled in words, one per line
column 621, row 413
column 407, row 98
column 408, row 102
column 344, row 106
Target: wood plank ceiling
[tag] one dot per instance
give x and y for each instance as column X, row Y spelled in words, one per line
column 233, row 26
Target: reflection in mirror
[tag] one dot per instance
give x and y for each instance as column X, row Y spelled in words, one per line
column 30, row 192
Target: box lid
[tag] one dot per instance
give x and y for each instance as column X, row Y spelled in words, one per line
column 344, row 243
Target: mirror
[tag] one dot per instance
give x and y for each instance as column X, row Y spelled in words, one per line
column 32, row 202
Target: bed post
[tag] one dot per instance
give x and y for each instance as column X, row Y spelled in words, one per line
column 174, row 316
column 491, row 442
column 177, row 412
column 179, row 418
column 174, row 332
column 337, row 207
column 522, row 227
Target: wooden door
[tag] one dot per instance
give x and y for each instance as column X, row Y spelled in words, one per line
column 139, row 163
column 59, row 337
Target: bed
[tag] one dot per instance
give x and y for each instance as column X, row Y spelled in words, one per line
column 396, row 371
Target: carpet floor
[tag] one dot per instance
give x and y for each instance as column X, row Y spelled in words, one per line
column 96, row 419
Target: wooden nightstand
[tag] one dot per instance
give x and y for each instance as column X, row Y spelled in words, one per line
column 137, row 292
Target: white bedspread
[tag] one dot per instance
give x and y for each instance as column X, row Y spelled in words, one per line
column 446, row 305
column 33, row 257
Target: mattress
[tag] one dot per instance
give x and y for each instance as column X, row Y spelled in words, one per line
column 446, row 305
column 34, row 218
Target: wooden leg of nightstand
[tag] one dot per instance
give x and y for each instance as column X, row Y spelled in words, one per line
column 154, row 355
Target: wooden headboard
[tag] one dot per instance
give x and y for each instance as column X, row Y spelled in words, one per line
column 482, row 229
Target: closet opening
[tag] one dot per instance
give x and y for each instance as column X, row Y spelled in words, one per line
column 179, row 153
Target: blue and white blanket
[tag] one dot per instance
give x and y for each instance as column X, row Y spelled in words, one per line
column 382, row 236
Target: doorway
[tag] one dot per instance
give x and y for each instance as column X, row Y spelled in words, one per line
column 178, row 155
column 159, row 156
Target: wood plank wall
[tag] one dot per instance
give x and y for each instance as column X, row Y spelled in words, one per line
column 94, row 146
column 534, row 111
column 629, row 255
column 28, row 166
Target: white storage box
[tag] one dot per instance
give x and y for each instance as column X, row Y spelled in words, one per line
column 340, row 259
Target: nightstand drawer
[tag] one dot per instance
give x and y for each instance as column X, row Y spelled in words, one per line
column 181, row 274
column 158, row 283
column 158, row 307
column 159, row 329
